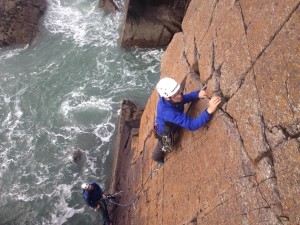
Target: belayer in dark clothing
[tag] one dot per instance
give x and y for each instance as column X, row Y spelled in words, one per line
column 95, row 198
column 170, row 114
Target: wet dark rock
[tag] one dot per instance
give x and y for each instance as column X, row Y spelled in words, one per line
column 76, row 156
column 19, row 20
column 151, row 24
column 108, row 5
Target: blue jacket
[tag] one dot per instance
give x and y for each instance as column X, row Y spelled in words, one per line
column 92, row 197
column 167, row 111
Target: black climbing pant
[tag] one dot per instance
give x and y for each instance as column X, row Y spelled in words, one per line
column 158, row 154
column 104, row 212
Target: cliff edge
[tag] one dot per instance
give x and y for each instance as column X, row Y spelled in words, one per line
column 244, row 166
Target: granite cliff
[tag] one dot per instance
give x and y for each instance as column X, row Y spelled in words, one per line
column 244, row 166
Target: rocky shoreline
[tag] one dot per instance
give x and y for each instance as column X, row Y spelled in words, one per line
column 19, row 21
column 148, row 24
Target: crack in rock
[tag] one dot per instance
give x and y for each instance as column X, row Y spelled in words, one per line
column 210, row 21
column 243, row 17
column 276, row 33
column 293, row 109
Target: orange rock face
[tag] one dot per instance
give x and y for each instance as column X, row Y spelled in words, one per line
column 243, row 167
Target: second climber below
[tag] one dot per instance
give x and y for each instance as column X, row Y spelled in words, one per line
column 95, row 198
column 170, row 114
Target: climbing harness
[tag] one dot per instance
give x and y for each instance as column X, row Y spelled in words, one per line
column 167, row 143
column 166, row 140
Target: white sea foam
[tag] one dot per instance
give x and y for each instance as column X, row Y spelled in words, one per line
column 84, row 25
column 92, row 164
column 68, row 213
column 63, row 211
column 5, row 99
column 24, row 198
column 9, row 128
column 77, row 100
column 41, row 179
column 7, row 120
column 104, row 131
column 6, row 54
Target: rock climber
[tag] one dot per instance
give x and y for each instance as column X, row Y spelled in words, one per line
column 170, row 115
column 95, row 198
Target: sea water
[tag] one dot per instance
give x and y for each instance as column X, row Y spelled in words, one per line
column 62, row 94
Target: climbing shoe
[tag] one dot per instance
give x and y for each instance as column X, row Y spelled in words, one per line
column 161, row 163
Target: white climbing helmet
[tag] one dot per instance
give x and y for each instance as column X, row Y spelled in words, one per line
column 167, row 87
column 84, row 186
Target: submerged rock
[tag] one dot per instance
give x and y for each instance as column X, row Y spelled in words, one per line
column 78, row 156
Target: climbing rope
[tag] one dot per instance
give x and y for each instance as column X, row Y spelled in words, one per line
column 139, row 193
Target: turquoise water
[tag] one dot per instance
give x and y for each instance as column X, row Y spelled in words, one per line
column 60, row 94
